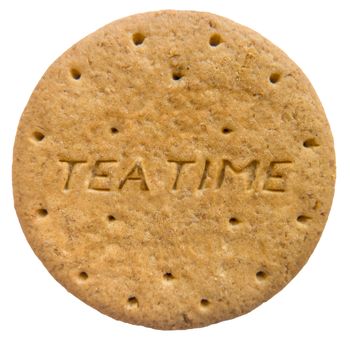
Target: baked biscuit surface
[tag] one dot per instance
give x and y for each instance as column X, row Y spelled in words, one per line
column 173, row 169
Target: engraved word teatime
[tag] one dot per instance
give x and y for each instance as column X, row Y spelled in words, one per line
column 271, row 177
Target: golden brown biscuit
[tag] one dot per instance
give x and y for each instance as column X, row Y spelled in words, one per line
column 173, row 169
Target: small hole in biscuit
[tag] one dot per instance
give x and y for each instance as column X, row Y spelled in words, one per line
column 83, row 275
column 177, row 75
column 75, row 73
column 226, row 130
column 205, row 302
column 133, row 302
column 310, row 143
column 234, row 221
column 138, row 38
column 215, row 40
column 275, row 77
column 303, row 219
column 38, row 136
column 168, row 276
column 42, row 212
column 111, row 218
column 114, row 130
column 261, row 275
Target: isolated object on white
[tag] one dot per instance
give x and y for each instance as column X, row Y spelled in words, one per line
column 173, row 169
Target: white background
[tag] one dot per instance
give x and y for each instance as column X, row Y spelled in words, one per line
column 312, row 312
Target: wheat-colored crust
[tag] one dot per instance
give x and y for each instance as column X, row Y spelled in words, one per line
column 172, row 259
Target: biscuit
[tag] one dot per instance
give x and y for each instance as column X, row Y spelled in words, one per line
column 173, row 169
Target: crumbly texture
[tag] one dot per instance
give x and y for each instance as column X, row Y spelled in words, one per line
column 173, row 169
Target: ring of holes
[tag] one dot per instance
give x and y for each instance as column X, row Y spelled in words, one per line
column 215, row 40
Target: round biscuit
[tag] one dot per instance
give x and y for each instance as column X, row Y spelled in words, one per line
column 173, row 169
